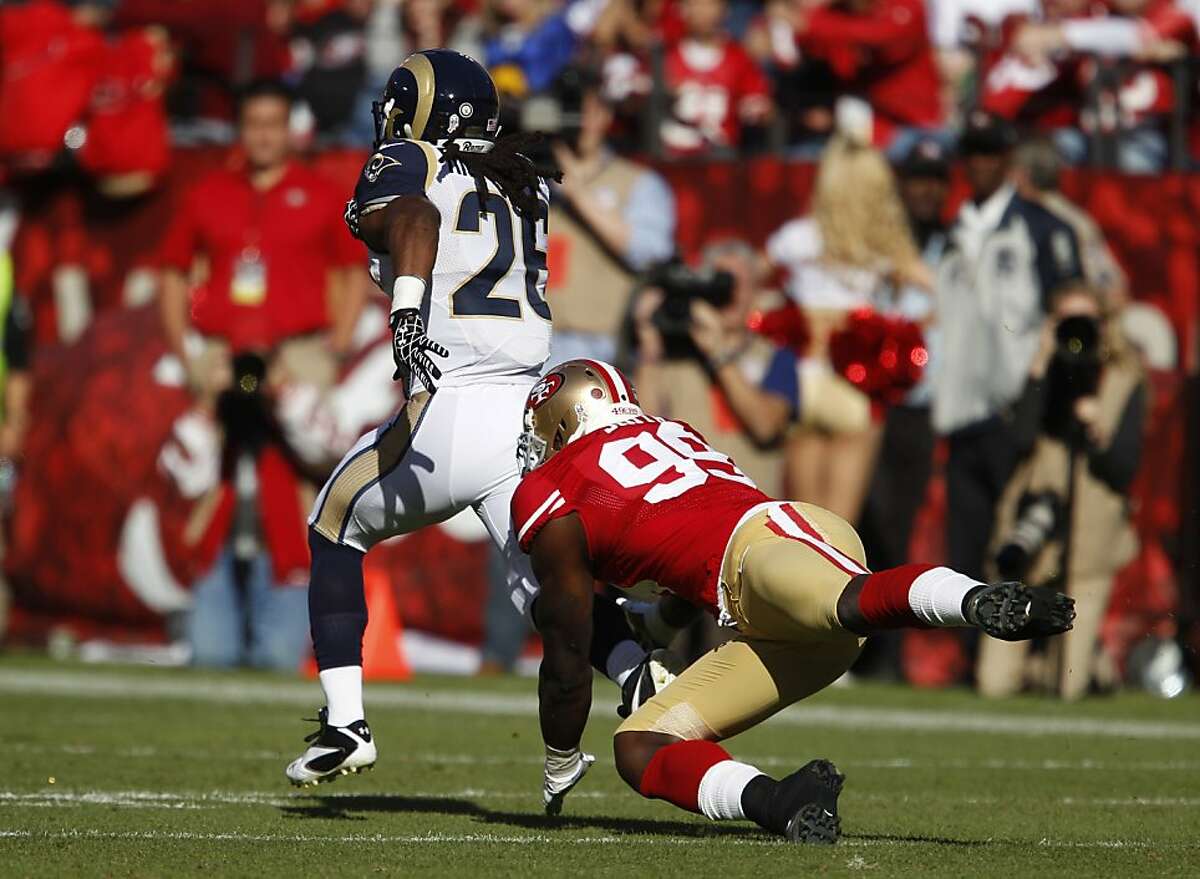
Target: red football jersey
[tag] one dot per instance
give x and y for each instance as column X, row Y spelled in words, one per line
column 714, row 89
column 656, row 502
column 289, row 236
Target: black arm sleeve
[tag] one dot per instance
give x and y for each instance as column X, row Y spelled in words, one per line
column 1117, row 465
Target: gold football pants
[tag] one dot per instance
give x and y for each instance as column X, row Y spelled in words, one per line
column 785, row 568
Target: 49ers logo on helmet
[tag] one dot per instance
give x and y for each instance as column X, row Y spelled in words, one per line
column 544, row 390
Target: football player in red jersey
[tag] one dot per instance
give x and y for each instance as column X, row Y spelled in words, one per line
column 615, row 495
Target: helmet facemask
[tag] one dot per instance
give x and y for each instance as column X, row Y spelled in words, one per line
column 533, row 450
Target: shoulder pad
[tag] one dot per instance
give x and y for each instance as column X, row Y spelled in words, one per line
column 403, row 167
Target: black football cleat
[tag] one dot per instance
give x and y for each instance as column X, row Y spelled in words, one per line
column 804, row 806
column 1015, row 612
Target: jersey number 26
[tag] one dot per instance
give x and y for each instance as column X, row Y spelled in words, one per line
column 474, row 298
column 671, row 447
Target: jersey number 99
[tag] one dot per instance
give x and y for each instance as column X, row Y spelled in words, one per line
column 670, row 448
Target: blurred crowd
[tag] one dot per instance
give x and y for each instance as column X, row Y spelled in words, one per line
column 872, row 329
column 883, row 334
column 1110, row 80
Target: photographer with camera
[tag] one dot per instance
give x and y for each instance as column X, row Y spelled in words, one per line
column 1063, row 518
column 250, row 607
column 698, row 361
column 609, row 219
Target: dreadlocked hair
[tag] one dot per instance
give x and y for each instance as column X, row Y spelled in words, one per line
column 507, row 166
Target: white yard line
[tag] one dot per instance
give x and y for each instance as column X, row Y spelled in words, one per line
column 537, row 839
column 212, row 799
column 107, row 685
column 146, row 752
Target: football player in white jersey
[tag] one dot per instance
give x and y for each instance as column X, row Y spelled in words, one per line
column 455, row 224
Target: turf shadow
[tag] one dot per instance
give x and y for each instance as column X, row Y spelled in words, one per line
column 352, row 808
column 916, row 839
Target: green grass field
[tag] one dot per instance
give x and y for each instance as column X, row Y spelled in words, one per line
column 130, row 772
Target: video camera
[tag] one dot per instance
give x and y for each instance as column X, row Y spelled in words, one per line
column 243, row 410
column 1073, row 373
column 1038, row 516
column 1078, row 358
column 681, row 286
column 558, row 115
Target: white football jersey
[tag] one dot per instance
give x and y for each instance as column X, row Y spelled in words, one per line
column 487, row 303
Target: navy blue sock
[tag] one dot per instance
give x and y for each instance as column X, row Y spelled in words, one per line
column 337, row 607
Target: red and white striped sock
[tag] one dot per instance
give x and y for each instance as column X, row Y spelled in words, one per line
column 914, row 595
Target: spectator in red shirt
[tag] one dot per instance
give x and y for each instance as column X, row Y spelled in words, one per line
column 715, row 86
column 271, row 236
column 276, row 254
column 880, row 51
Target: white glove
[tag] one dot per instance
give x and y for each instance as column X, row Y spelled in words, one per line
column 564, row 769
column 411, row 350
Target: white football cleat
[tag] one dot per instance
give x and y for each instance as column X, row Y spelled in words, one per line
column 333, row 751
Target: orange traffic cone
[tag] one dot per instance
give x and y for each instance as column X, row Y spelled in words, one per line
column 383, row 659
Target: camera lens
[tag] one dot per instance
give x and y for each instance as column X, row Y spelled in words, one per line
column 1078, row 337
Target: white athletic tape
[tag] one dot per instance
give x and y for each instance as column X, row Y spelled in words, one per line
column 936, row 596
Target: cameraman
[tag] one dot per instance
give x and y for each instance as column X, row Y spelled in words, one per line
column 1063, row 517
column 708, row 369
column 250, row 606
column 609, row 219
